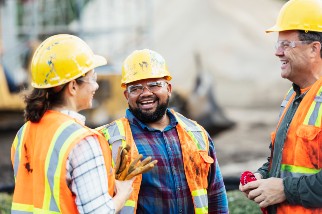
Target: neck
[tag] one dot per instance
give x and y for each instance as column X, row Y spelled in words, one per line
column 160, row 124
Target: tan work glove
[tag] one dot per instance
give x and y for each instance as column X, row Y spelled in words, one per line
column 124, row 170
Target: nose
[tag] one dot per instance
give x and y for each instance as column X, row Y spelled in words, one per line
column 96, row 86
column 279, row 52
column 146, row 91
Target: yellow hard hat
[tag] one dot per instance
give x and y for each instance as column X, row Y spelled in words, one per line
column 60, row 59
column 143, row 64
column 299, row 15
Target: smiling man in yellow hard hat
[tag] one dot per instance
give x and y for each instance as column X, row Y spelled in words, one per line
column 291, row 180
column 187, row 177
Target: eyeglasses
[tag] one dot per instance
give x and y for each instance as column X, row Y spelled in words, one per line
column 89, row 79
column 151, row 86
column 284, row 44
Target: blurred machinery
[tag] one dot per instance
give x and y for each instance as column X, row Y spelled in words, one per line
column 24, row 22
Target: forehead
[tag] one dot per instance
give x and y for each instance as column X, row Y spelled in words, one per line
column 145, row 81
column 290, row 35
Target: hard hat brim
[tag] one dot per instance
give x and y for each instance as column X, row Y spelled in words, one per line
column 99, row 61
column 273, row 29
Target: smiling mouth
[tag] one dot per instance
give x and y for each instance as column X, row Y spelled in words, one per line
column 147, row 105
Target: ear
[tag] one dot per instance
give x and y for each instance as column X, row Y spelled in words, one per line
column 316, row 48
column 126, row 94
column 169, row 87
column 72, row 87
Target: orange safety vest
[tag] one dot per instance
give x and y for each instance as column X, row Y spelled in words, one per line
column 303, row 144
column 39, row 154
column 194, row 144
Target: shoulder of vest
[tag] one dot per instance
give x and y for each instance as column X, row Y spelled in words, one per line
column 189, row 124
column 111, row 124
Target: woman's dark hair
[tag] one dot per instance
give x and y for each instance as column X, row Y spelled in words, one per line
column 311, row 36
column 40, row 100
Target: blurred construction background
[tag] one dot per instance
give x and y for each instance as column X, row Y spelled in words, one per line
column 225, row 74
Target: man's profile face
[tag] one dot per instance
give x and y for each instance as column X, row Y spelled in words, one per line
column 148, row 99
column 294, row 56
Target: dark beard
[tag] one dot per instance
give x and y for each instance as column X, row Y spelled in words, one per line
column 146, row 117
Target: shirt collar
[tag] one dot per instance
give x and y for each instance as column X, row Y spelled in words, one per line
column 80, row 118
column 133, row 120
column 300, row 92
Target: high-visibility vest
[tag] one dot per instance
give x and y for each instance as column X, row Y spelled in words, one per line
column 302, row 147
column 194, row 144
column 39, row 154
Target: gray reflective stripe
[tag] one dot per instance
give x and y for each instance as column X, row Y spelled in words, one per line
column 115, row 139
column 315, row 113
column 293, row 174
column 20, row 212
column 18, row 149
column 195, row 129
column 285, row 101
column 61, row 139
column 127, row 210
column 200, row 201
column 318, row 98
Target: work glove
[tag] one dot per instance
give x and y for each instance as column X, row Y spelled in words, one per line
column 126, row 170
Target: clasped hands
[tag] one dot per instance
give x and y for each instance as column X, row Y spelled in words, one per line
column 265, row 192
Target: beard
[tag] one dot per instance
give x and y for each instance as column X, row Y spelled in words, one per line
column 150, row 117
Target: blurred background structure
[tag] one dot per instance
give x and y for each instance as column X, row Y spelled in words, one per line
column 225, row 74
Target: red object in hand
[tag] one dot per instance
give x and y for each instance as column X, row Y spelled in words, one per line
column 246, row 177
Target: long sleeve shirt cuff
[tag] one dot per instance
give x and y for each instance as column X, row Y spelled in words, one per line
column 291, row 190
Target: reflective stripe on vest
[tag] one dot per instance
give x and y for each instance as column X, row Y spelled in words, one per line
column 128, row 207
column 296, row 171
column 115, row 135
column 63, row 138
column 194, row 131
column 285, row 101
column 200, row 197
column 29, row 209
column 314, row 115
column 17, row 145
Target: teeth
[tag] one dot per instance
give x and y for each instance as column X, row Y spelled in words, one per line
column 147, row 102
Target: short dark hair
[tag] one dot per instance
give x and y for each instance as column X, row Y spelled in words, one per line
column 311, row 36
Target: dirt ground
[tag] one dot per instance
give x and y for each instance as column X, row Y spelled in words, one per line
column 244, row 147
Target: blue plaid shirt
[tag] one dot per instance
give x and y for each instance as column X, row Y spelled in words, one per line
column 165, row 189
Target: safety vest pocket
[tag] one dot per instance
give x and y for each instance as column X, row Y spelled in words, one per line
column 206, row 157
column 309, row 145
column 308, row 132
column 206, row 161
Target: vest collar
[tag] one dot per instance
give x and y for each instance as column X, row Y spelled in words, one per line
column 133, row 120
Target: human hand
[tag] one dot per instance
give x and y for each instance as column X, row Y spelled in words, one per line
column 123, row 190
column 266, row 192
column 247, row 177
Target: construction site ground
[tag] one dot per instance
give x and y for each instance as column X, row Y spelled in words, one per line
column 245, row 147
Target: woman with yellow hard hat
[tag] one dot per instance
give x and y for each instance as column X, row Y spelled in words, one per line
column 60, row 165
